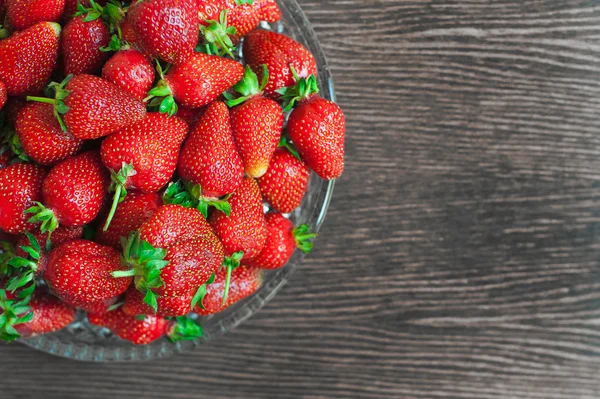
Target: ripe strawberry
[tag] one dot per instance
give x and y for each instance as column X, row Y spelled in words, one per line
column 244, row 229
column 148, row 329
column 131, row 71
column 3, row 95
column 196, row 83
column 143, row 156
column 166, row 306
column 210, row 10
column 80, row 272
column 185, row 261
column 167, row 29
column 41, row 136
column 73, row 193
column 92, row 107
column 82, row 41
column 40, row 314
column 209, row 157
column 29, row 57
column 243, row 16
column 277, row 52
column 268, row 10
column 257, row 123
column 136, row 209
column 282, row 239
column 20, row 188
column 71, row 8
column 244, row 281
column 22, row 14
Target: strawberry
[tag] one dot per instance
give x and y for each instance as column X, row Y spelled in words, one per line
column 22, row 14
column 98, row 307
column 80, row 272
column 131, row 71
column 145, row 330
column 130, row 37
column 267, row 10
column 20, row 188
column 82, row 41
column 285, row 183
column 257, row 123
column 40, row 314
column 278, row 52
column 167, row 29
column 28, row 58
column 282, row 239
column 244, row 281
column 41, row 136
column 190, row 115
column 136, row 209
column 316, row 126
column 72, row 6
column 210, row 10
column 143, row 156
column 209, row 157
column 243, row 232
column 196, row 83
column 182, row 260
column 3, row 95
column 73, row 193
column 90, row 107
column 243, row 16
column 166, row 306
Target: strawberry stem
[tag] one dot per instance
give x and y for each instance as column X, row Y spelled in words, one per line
column 217, row 36
column 45, row 216
column 303, row 89
column 118, row 185
column 231, row 263
column 184, row 329
column 60, row 93
column 248, row 87
column 42, row 100
column 303, row 238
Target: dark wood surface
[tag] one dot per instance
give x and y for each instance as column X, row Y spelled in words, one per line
column 460, row 255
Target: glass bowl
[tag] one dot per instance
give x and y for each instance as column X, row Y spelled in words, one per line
column 83, row 341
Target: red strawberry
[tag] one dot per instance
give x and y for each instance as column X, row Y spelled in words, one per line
column 92, row 107
column 80, row 272
column 20, row 188
column 143, row 156
column 198, row 82
column 257, row 124
column 244, row 229
column 71, row 7
column 245, row 281
column 317, row 127
column 28, row 58
column 285, row 183
column 166, row 306
column 129, row 36
column 81, row 43
column 147, row 330
column 210, row 10
column 185, row 252
column 73, row 193
column 23, row 318
column 282, row 239
column 131, row 71
column 22, row 14
column 167, row 29
column 243, row 16
column 3, row 95
column 277, row 52
column 136, row 209
column 268, row 10
column 41, row 136
column 209, row 157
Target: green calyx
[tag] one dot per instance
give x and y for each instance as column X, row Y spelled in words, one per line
column 112, row 14
column 248, row 87
column 303, row 238
column 160, row 97
column 12, row 143
column 118, row 185
column 231, row 263
column 304, row 88
column 60, row 93
column 189, row 195
column 45, row 216
column 146, row 263
column 285, row 142
column 198, row 298
column 24, row 269
column 217, row 36
column 14, row 312
column 7, row 252
column 185, row 329
column 4, row 33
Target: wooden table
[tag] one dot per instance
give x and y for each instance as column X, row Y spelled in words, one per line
column 460, row 255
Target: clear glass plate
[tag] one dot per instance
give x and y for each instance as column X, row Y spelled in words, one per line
column 82, row 341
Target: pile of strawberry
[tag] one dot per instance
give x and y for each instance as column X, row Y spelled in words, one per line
column 134, row 188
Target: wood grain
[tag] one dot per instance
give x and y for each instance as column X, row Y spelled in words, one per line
column 460, row 255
